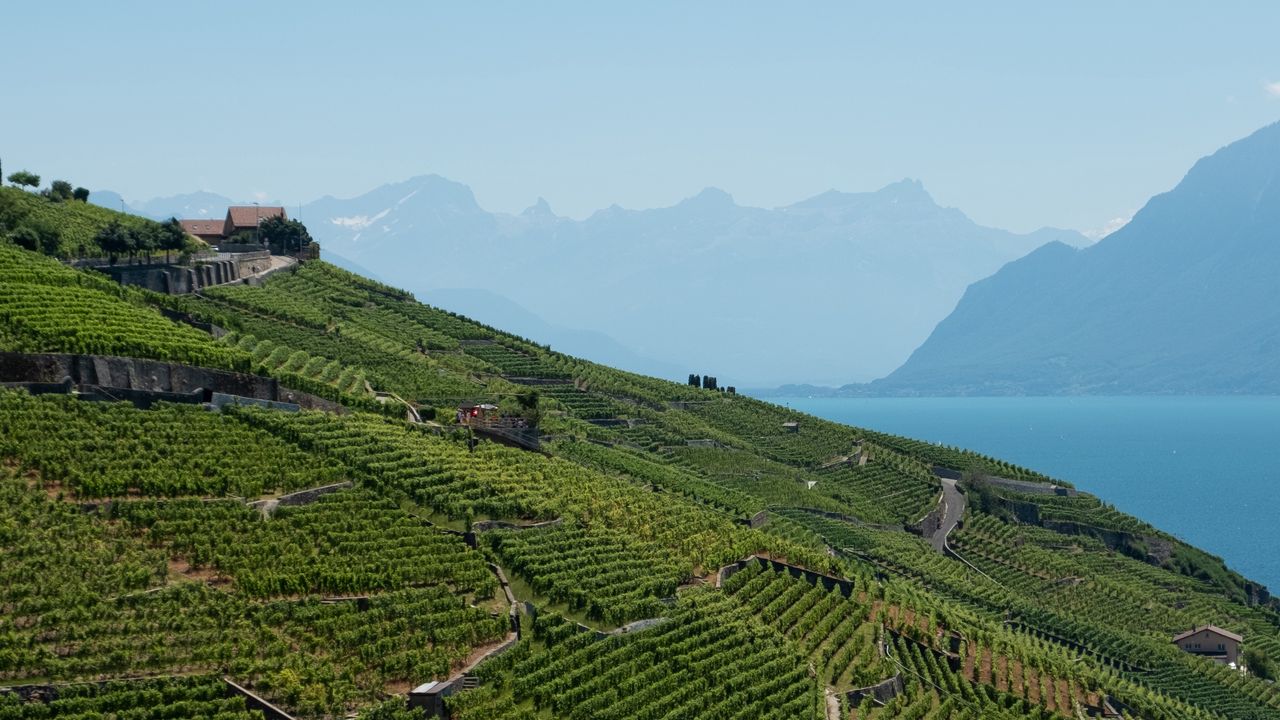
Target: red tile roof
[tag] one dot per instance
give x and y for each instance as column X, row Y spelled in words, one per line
column 247, row 216
column 1211, row 628
column 203, row 227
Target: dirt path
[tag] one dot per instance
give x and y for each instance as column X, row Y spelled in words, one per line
column 833, row 705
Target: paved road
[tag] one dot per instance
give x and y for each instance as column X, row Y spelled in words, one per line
column 952, row 510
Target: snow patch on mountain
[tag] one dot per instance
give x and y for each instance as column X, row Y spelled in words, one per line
column 360, row 222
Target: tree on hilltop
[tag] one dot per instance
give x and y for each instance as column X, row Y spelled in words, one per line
column 81, row 194
column 59, row 191
column 24, row 178
column 286, row 236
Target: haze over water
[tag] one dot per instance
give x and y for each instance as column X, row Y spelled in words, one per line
column 1202, row 468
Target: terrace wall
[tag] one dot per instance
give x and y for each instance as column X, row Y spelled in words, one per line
column 175, row 279
column 131, row 373
column 144, row 381
column 827, row 582
column 882, row 692
column 928, row 525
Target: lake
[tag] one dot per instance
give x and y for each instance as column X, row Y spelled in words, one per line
column 1202, row 468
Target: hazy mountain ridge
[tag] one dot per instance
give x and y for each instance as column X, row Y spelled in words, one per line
column 491, row 308
column 858, row 279
column 706, row 285
column 196, row 205
column 1183, row 299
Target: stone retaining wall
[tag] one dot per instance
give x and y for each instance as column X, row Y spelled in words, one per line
column 305, row 497
column 134, row 373
column 851, row 520
column 882, row 692
column 176, row 279
column 828, row 582
column 480, row 526
column 929, row 525
column 146, row 381
column 220, row 400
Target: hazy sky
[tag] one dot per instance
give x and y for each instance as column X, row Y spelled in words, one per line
column 1020, row 114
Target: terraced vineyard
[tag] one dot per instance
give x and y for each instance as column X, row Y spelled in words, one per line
column 585, row 405
column 300, row 368
column 503, row 483
column 669, row 477
column 744, row 670
column 187, row 697
column 905, row 492
column 344, row 543
column 124, row 599
column 511, row 361
column 607, row 575
column 834, row 630
column 46, row 307
column 96, row 450
column 577, row 579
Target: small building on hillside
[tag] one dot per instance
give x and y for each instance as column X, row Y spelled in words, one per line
column 209, row 231
column 477, row 415
column 1212, row 642
column 429, row 698
column 791, row 427
column 240, row 219
column 245, row 218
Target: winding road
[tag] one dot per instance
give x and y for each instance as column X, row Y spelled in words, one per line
column 953, row 504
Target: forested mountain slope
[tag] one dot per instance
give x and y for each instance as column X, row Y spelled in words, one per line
column 1183, row 299
column 783, row 562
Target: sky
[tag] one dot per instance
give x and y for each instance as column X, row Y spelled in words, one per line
column 1020, row 114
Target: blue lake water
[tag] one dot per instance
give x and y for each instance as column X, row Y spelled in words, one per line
column 1205, row 469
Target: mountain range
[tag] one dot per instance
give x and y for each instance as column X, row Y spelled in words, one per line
column 838, row 286
column 1182, row 299
column 200, row 204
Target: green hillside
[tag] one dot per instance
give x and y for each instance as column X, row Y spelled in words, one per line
column 67, row 228
column 136, row 549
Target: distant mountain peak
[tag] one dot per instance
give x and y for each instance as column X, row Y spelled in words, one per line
column 541, row 208
column 429, row 179
column 710, row 197
column 830, row 199
column 906, row 189
column 109, row 199
column 420, row 191
column 614, row 210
